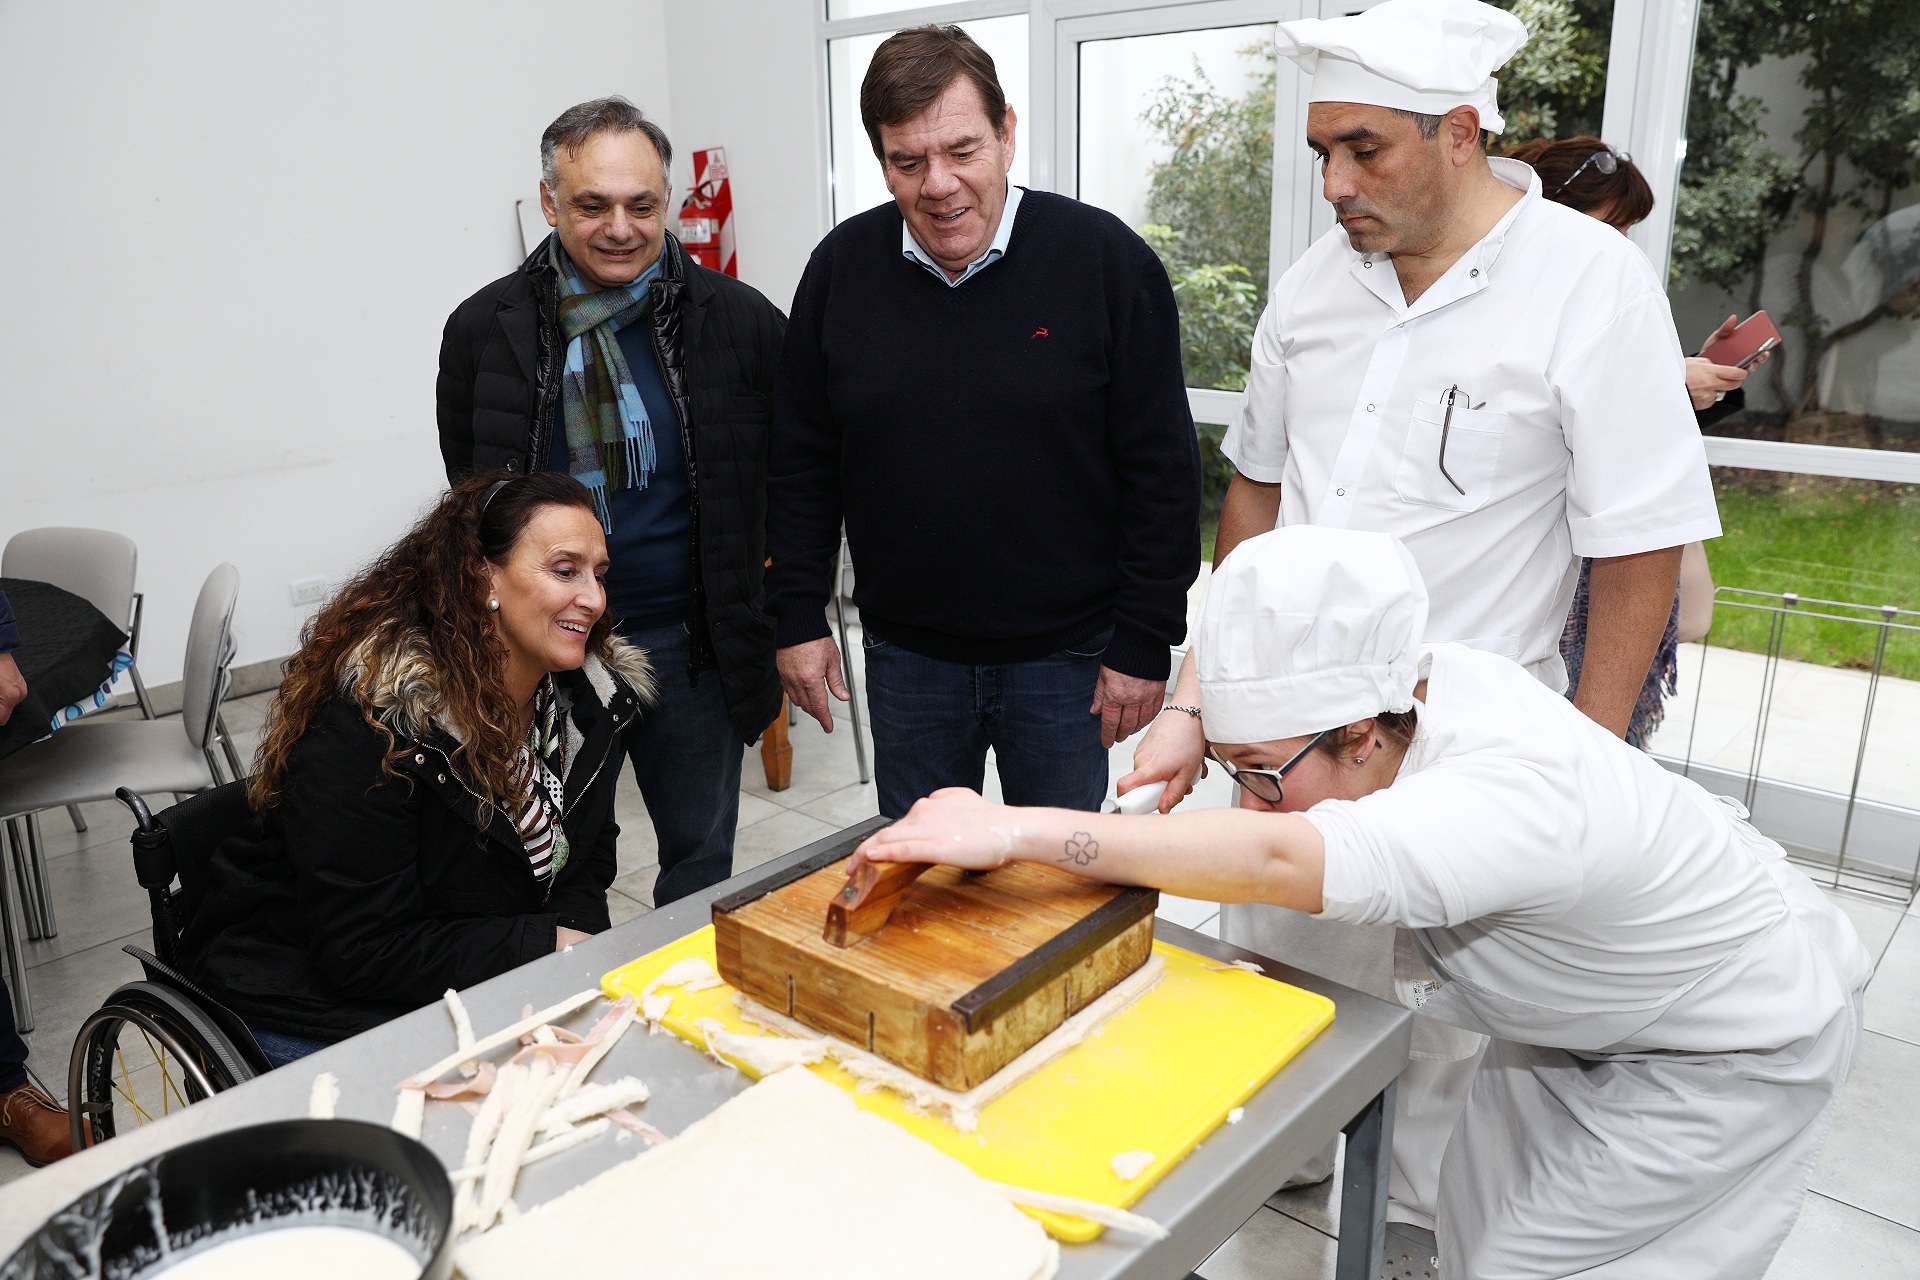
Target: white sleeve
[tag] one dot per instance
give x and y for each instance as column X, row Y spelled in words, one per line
column 1638, row 480
column 1256, row 442
column 1453, row 843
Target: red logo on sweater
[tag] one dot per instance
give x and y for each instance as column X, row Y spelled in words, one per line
column 1037, row 333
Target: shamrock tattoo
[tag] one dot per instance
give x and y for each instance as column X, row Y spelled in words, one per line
column 1082, row 849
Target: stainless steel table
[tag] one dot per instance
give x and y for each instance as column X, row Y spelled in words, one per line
column 1343, row 1080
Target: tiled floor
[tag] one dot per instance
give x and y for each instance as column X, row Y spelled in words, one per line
column 1863, row 1219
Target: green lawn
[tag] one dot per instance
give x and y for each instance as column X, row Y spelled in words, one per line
column 1856, row 541
column 1850, row 540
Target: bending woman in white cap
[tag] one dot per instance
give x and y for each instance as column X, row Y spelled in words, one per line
column 1673, row 1006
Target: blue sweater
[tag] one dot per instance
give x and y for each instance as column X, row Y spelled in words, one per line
column 649, row 552
column 1013, row 457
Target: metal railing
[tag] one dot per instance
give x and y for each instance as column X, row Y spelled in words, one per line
column 1845, row 840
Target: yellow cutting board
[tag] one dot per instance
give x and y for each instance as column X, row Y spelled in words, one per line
column 1160, row 1076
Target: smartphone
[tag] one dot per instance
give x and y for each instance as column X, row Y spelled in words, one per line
column 1750, row 339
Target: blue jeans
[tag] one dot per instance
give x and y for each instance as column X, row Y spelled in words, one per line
column 281, row 1050
column 933, row 722
column 686, row 758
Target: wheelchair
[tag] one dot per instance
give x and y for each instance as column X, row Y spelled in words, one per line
column 163, row 1043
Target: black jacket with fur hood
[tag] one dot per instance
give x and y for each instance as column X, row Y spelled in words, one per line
column 363, row 894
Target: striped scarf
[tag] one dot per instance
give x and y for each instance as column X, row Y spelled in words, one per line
column 609, row 438
column 542, row 772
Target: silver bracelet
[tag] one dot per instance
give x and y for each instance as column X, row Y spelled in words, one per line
column 1174, row 706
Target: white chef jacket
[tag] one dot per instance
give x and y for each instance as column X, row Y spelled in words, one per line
column 1673, row 1006
column 1572, row 434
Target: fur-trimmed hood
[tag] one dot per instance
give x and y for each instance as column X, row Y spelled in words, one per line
column 405, row 688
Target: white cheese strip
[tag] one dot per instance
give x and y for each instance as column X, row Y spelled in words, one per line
column 680, row 973
column 565, row 1141
column 325, row 1096
column 409, row 1113
column 462, row 1029
column 1092, row 1210
column 594, row 1100
column 1236, row 1115
column 506, row 1035
column 516, row 1135
column 654, row 1008
column 1248, row 965
column 577, row 1074
column 1129, row 1165
column 506, row 1087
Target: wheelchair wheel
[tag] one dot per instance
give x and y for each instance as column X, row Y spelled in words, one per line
column 146, row 1053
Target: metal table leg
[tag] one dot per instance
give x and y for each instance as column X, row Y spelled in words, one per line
column 1363, row 1189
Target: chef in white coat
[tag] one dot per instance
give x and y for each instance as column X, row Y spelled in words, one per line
column 1673, row 1007
column 1487, row 376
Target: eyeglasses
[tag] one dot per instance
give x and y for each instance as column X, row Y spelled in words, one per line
column 1266, row 784
column 1604, row 160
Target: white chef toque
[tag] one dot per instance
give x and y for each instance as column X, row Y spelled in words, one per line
column 1308, row 628
column 1428, row 56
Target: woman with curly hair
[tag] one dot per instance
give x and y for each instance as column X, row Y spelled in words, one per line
column 434, row 789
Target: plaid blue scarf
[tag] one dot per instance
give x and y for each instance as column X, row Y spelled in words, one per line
column 609, row 439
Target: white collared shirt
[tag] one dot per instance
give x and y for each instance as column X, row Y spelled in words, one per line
column 1571, row 435
column 995, row 251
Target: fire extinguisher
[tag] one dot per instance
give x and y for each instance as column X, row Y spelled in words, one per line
column 706, row 216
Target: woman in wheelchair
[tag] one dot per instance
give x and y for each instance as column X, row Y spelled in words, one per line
column 434, row 792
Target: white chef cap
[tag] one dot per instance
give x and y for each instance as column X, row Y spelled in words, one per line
column 1428, row 56
column 1308, row 628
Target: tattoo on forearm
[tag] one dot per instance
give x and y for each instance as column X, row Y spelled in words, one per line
column 1081, row 849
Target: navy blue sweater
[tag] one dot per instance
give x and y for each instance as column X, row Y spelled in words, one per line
column 1014, row 458
column 649, row 575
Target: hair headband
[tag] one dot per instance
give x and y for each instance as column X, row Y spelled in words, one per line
column 492, row 490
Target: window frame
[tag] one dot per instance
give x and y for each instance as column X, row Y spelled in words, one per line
column 1649, row 70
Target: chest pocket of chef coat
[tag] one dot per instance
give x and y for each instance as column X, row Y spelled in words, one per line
column 1473, row 455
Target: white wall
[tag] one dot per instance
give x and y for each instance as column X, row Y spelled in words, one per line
column 234, row 231
column 744, row 78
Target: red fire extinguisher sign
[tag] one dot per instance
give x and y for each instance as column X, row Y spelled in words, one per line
column 706, row 216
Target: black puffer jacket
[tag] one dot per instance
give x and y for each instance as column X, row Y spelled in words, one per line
column 362, row 894
column 718, row 342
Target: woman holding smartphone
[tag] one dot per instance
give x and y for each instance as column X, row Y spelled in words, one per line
column 1587, row 175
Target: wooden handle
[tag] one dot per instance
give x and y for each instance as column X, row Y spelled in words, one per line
column 872, row 891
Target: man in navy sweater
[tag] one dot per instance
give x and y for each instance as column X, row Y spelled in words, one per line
column 984, row 384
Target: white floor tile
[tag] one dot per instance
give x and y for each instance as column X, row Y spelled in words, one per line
column 1893, row 997
column 1832, row 1240
column 1272, row 1246
column 1874, row 921
column 782, row 833
column 1872, row 1159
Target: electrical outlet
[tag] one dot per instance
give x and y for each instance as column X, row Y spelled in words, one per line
column 308, row 590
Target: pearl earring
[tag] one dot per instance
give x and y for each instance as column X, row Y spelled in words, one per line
column 494, row 605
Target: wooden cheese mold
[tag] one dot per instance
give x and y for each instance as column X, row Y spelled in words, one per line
column 971, row 971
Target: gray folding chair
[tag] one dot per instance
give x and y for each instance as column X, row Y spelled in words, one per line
column 87, row 760
column 99, row 566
